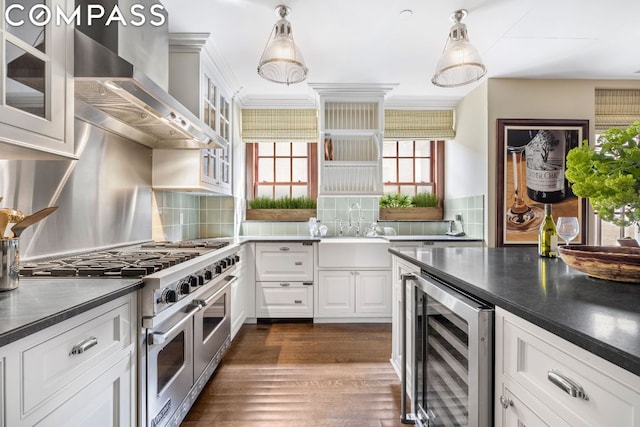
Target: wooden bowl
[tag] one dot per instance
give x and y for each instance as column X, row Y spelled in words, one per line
column 621, row 264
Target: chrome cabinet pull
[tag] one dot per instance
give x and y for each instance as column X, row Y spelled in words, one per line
column 298, row 301
column 285, row 284
column 567, row 385
column 505, row 402
column 84, row 346
column 298, row 263
column 307, row 283
column 284, row 248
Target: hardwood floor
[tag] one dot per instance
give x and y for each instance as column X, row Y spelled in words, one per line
column 302, row 374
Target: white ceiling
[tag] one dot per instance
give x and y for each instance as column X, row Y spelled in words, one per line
column 370, row 41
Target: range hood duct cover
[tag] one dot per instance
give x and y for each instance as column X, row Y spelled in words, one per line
column 113, row 94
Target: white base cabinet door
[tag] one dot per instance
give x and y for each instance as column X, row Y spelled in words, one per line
column 79, row 372
column 105, row 402
column 284, row 299
column 362, row 293
column 336, row 293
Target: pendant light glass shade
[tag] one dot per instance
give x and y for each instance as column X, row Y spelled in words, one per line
column 460, row 63
column 282, row 61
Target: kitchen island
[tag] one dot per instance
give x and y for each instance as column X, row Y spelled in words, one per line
column 601, row 316
column 566, row 346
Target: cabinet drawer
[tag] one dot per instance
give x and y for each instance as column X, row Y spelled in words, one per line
column 284, row 261
column 284, row 299
column 531, row 355
column 59, row 360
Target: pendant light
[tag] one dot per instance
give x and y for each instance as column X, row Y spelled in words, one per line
column 460, row 63
column 282, row 61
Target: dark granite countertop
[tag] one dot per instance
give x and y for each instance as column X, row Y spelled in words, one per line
column 600, row 316
column 39, row 303
column 397, row 238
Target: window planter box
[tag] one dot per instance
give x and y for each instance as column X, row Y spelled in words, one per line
column 280, row 214
column 410, row 214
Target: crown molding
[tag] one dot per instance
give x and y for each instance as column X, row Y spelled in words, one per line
column 421, row 103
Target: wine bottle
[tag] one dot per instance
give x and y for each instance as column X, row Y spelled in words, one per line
column 545, row 155
column 548, row 236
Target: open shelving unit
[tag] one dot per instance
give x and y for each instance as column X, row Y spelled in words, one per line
column 351, row 146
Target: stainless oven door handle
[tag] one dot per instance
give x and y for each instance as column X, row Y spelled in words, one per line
column 206, row 302
column 154, row 338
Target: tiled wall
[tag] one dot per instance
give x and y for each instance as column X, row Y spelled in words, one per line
column 217, row 216
column 472, row 211
column 176, row 216
column 330, row 208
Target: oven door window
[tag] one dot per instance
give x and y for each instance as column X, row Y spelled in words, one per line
column 171, row 359
column 213, row 315
column 443, row 386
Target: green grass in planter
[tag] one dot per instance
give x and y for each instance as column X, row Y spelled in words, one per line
column 425, row 200
column 282, row 203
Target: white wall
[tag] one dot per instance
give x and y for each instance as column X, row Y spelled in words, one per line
column 527, row 99
column 466, row 156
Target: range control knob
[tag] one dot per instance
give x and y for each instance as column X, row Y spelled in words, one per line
column 169, row 296
column 200, row 278
column 208, row 275
column 193, row 281
column 219, row 268
column 232, row 260
column 237, row 258
column 184, row 288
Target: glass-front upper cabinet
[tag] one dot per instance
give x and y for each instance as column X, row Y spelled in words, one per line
column 196, row 81
column 36, row 90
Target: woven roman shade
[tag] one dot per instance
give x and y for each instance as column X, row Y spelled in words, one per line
column 616, row 108
column 272, row 125
column 418, row 124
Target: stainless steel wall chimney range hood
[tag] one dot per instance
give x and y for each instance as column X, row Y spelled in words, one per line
column 116, row 95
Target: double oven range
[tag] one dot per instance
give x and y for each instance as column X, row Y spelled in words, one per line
column 184, row 314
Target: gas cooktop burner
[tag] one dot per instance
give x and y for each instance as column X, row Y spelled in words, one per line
column 132, row 261
column 108, row 264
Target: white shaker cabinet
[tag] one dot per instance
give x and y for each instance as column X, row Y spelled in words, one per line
column 358, row 293
column 354, row 280
column 542, row 379
column 196, row 81
column 284, row 280
column 36, row 91
column 79, row 372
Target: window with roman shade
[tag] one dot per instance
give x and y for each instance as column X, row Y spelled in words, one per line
column 281, row 147
column 616, row 108
column 413, row 150
column 273, row 125
column 418, row 124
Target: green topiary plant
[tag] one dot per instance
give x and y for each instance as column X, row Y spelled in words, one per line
column 609, row 174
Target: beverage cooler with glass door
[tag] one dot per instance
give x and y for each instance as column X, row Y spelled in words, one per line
column 452, row 357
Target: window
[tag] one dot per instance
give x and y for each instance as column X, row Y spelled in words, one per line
column 278, row 169
column 411, row 167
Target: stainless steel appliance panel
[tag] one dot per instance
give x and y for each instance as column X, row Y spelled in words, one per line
column 452, row 358
column 103, row 199
column 169, row 369
column 212, row 326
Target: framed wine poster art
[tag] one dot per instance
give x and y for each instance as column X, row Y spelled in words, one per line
column 531, row 172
